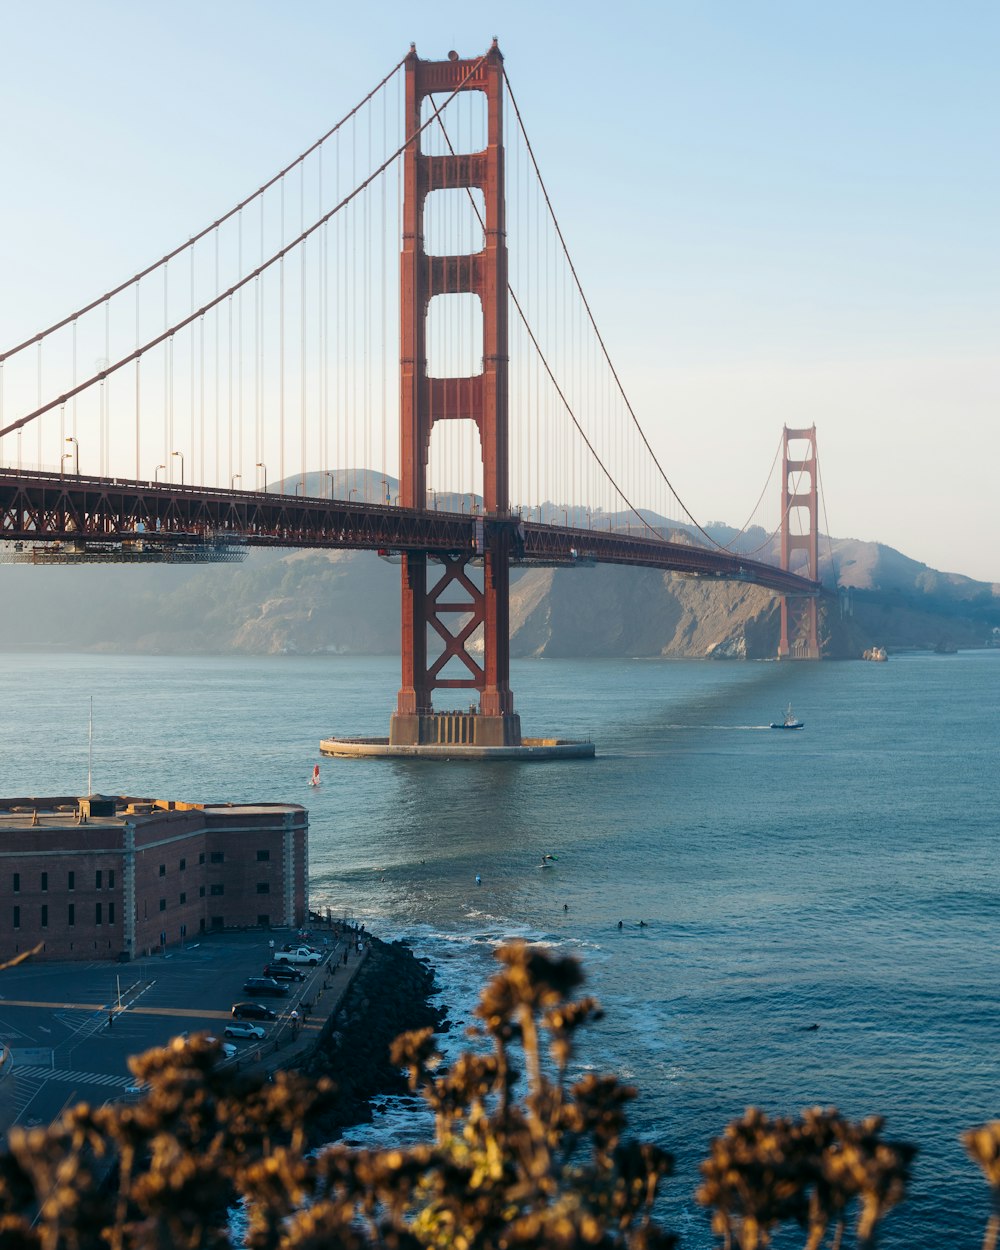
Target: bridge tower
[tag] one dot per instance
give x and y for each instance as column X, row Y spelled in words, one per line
column 799, row 552
column 455, row 605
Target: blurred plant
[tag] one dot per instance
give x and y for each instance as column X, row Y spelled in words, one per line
column 983, row 1144
column 521, row 1158
column 762, row 1173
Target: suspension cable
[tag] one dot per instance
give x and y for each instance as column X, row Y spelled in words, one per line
column 600, row 339
column 237, row 286
column 195, row 238
column 826, row 522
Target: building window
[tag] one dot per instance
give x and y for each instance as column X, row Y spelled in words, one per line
column 264, row 922
column 263, row 857
column 163, row 870
column 183, row 864
column 201, row 891
column 45, row 915
column 98, row 909
column 111, row 913
column 217, row 890
column 218, row 922
column 17, row 917
column 184, row 898
column 201, row 858
column 111, row 878
column 17, row 883
column 163, row 904
column 263, row 887
column 71, row 884
column 45, row 881
column 71, row 916
column 97, row 879
column 217, row 857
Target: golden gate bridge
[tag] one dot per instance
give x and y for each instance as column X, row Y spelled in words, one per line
column 399, row 301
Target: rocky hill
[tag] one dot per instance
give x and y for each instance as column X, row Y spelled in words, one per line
column 311, row 602
column 314, row 602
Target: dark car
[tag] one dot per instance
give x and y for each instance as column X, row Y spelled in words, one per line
column 283, row 972
column 253, row 1011
column 264, row 985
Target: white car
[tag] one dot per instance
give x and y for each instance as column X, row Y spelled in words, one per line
column 228, row 1049
column 241, row 1028
column 301, row 955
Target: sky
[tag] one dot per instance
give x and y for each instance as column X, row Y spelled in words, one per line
column 782, row 213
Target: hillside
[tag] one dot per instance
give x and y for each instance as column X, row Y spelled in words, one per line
column 312, row 602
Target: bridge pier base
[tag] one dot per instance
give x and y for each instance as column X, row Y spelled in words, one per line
column 454, row 729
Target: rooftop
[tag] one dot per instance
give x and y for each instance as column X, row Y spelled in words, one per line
column 66, row 811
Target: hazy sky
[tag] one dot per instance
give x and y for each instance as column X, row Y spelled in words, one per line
column 781, row 212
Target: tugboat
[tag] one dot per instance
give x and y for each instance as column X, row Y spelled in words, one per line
column 789, row 722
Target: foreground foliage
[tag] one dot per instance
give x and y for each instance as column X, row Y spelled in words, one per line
column 520, row 1159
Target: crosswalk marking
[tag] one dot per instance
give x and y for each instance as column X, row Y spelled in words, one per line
column 79, row 1078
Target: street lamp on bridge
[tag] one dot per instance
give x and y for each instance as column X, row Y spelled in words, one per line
column 237, row 477
column 156, row 472
column 75, row 453
column 330, row 476
column 263, row 468
column 180, row 456
column 353, row 491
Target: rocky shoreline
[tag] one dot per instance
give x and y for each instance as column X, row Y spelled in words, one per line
column 389, row 995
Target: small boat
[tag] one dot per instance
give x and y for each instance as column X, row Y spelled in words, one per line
column 789, row 722
column 314, row 779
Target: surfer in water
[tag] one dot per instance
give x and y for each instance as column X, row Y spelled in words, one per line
column 314, row 779
column 479, row 880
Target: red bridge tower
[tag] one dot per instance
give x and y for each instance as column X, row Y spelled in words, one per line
column 455, row 596
column 799, row 552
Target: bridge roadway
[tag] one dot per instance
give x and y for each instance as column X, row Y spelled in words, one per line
column 88, row 516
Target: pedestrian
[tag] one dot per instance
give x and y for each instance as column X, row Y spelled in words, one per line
column 111, row 1018
column 345, row 956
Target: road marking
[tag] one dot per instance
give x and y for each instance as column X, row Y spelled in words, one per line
column 83, row 1078
column 190, row 1012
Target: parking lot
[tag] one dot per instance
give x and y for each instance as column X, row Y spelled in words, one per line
column 69, row 1040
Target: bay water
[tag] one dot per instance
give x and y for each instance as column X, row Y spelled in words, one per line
column 845, row 876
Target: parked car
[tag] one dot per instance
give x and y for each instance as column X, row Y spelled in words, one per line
column 253, row 1011
column 265, row 985
column 228, row 1049
column 283, row 972
column 302, row 946
column 244, row 1030
column 303, row 955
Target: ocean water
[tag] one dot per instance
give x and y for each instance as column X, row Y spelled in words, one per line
column 846, row 876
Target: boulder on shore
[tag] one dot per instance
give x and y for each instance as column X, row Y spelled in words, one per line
column 389, row 995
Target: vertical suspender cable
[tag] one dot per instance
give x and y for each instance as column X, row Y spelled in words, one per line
column 281, row 346
column 239, row 352
column 302, row 325
column 217, row 368
column 38, row 431
column 197, row 469
column 138, row 388
column 385, row 300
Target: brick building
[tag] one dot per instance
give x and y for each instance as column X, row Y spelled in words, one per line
column 116, row 877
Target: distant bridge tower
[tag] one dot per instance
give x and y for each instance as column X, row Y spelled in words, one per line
column 799, row 552
column 455, row 606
